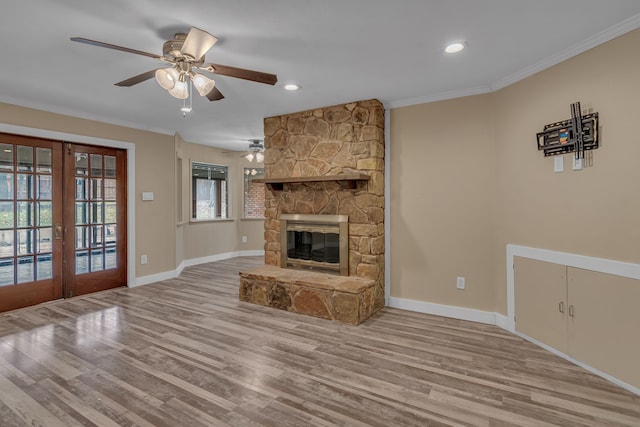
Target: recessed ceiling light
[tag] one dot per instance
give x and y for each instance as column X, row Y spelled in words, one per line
column 292, row 86
column 454, row 47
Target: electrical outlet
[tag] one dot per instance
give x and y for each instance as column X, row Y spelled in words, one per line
column 558, row 164
column 460, row 283
column 143, row 259
column 577, row 164
column 244, row 239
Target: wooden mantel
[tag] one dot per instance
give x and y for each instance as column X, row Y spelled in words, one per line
column 350, row 180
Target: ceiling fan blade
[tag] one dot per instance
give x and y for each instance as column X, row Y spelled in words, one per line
column 215, row 94
column 197, row 43
column 241, row 73
column 137, row 79
column 115, row 47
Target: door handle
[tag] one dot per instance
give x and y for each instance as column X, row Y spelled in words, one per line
column 561, row 306
column 571, row 311
column 58, row 232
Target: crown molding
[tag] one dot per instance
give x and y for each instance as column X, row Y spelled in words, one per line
column 438, row 97
column 623, row 27
column 82, row 115
column 595, row 40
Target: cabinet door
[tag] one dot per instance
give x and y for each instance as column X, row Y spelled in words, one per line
column 541, row 301
column 604, row 330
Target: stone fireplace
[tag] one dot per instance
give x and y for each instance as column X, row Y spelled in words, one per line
column 327, row 162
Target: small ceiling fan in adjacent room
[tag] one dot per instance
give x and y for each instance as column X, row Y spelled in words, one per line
column 184, row 57
column 253, row 152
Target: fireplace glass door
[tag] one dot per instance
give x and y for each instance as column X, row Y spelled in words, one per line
column 315, row 242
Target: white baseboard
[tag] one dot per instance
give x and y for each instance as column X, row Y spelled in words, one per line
column 583, row 365
column 502, row 321
column 152, row 278
column 462, row 313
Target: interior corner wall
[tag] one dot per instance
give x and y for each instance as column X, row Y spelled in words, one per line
column 443, row 197
column 467, row 179
column 205, row 239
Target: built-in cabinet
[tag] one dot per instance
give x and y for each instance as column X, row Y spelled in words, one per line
column 591, row 316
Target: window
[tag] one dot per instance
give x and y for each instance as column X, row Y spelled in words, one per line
column 209, row 191
column 253, row 193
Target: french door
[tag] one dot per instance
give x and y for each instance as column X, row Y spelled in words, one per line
column 62, row 220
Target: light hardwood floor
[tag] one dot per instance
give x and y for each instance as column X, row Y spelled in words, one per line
column 186, row 352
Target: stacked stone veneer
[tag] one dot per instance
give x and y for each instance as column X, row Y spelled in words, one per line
column 342, row 139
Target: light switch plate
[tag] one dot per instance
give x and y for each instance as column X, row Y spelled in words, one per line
column 147, row 195
column 558, row 164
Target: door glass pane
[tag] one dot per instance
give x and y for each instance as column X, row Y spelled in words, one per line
column 25, row 270
column 43, row 160
column 96, row 236
column 109, row 189
column 96, row 213
column 82, row 164
column 44, row 240
column 6, row 215
column 96, row 188
column 6, row 157
column 24, row 242
column 6, row 186
column 110, row 234
column 110, row 166
column 82, row 237
column 82, row 191
column 24, row 190
column 96, row 165
column 44, row 267
column 110, row 259
column 24, row 211
column 44, row 189
column 6, row 243
column 96, row 260
column 82, row 213
column 109, row 213
column 6, row 272
column 82, row 262
column 44, row 211
column 25, row 159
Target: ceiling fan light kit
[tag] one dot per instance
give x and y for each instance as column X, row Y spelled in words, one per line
column 185, row 54
column 204, row 85
column 167, row 77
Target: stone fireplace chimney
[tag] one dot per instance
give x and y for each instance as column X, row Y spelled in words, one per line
column 335, row 141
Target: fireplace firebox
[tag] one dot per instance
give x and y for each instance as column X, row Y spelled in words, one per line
column 315, row 242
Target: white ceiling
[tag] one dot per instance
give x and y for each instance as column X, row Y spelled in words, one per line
column 337, row 50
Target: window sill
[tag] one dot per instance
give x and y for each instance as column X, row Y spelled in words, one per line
column 200, row 221
column 252, row 218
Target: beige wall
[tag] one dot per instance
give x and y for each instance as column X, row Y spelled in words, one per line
column 443, row 198
column 467, row 179
column 207, row 238
column 592, row 212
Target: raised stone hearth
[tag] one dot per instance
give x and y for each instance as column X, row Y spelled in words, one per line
column 308, row 157
column 345, row 299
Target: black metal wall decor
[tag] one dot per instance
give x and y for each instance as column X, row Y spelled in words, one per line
column 577, row 134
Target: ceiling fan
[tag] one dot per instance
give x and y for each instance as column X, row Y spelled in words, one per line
column 253, row 152
column 185, row 57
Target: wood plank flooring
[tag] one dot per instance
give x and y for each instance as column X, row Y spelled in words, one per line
column 186, row 352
